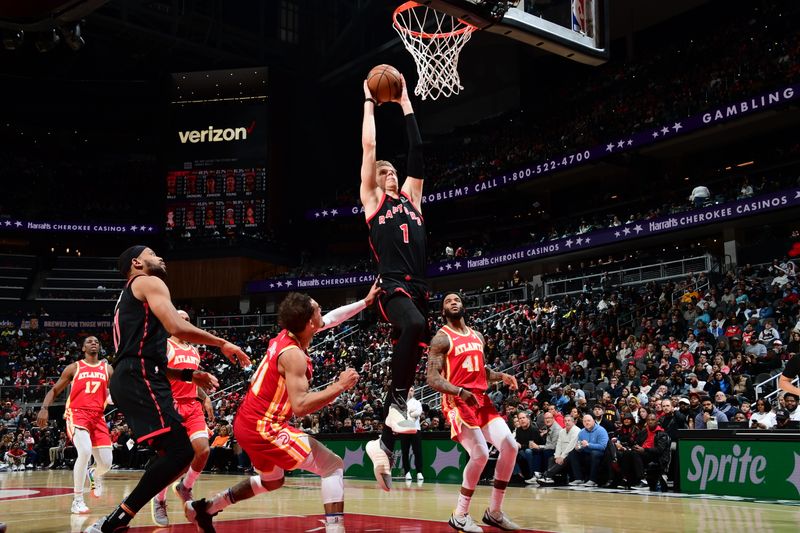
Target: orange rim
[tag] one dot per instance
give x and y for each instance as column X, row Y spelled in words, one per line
column 411, row 5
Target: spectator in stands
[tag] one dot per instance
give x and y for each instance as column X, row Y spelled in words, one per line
column 790, row 404
column 709, row 417
column 565, row 445
column 15, row 457
column 543, row 448
column 723, row 403
column 590, row 450
column 526, row 435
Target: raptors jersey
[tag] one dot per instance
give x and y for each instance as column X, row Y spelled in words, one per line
column 137, row 331
column 182, row 357
column 464, row 365
column 267, row 401
column 89, row 387
column 397, row 237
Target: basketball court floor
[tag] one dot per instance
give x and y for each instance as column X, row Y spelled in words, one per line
column 39, row 502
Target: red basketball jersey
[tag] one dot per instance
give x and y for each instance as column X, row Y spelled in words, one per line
column 267, row 398
column 89, row 387
column 182, row 357
column 464, row 366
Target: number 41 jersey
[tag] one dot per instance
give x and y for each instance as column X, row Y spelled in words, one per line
column 464, row 365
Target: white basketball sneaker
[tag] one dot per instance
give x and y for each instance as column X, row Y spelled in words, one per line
column 499, row 520
column 464, row 524
column 79, row 507
column 382, row 466
column 399, row 422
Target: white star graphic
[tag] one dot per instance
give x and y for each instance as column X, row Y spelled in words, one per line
column 457, row 265
column 18, row 223
column 579, row 241
column 677, row 126
column 316, row 214
column 655, row 134
column 796, row 196
column 334, row 212
column 448, row 266
column 142, row 228
column 794, row 479
column 280, row 284
column 448, row 459
column 353, row 457
column 620, row 144
column 288, row 283
column 8, row 222
column 133, row 228
column 626, row 231
column 637, row 228
column 568, row 244
column 586, row 240
column 665, row 130
column 150, row 228
column 616, row 234
column 610, row 147
column 324, row 213
column 271, row 285
column 630, row 142
column 441, row 269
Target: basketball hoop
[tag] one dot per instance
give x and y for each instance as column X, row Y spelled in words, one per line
column 435, row 52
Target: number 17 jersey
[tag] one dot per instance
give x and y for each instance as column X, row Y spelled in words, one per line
column 464, row 365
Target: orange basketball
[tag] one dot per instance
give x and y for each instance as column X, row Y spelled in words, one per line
column 384, row 83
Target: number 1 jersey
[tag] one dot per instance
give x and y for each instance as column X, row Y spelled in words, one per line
column 397, row 237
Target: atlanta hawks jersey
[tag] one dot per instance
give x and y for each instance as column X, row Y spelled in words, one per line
column 89, row 387
column 397, row 237
column 182, row 357
column 267, row 398
column 464, row 364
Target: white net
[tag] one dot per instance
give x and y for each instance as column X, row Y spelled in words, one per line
column 435, row 39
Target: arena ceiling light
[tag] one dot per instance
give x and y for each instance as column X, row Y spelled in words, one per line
column 12, row 39
column 47, row 40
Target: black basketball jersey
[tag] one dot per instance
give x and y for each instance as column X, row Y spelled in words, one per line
column 137, row 331
column 397, row 237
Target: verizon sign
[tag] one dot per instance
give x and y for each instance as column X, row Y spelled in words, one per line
column 213, row 135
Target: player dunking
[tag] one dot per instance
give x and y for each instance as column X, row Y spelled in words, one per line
column 457, row 351
column 182, row 355
column 143, row 319
column 280, row 389
column 398, row 240
column 86, row 426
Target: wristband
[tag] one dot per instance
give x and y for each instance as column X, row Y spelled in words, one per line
column 369, row 99
column 460, row 390
column 187, row 374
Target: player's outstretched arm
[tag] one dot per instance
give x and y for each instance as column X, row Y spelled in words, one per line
column 304, row 402
column 154, row 291
column 415, row 167
column 369, row 180
column 64, row 379
column 345, row 312
column 440, row 345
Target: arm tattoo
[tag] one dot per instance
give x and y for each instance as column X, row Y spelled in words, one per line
column 438, row 351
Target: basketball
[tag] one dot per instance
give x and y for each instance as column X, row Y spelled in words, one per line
column 384, row 83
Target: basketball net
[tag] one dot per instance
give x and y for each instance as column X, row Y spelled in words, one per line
column 435, row 52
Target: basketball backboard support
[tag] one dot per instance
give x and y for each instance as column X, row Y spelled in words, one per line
column 544, row 24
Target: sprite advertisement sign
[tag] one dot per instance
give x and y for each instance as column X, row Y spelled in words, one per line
column 756, row 469
column 443, row 460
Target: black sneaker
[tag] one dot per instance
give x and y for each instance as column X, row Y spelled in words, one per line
column 195, row 512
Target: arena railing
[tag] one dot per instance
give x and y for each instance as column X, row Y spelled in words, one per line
column 629, row 276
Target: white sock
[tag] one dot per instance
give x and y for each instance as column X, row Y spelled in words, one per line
column 190, row 478
column 496, row 500
column 78, row 496
column 219, row 502
column 462, row 509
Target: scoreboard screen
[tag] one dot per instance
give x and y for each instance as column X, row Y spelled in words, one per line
column 216, row 200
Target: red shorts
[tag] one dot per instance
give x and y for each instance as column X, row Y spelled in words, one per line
column 460, row 414
column 93, row 422
column 193, row 418
column 271, row 444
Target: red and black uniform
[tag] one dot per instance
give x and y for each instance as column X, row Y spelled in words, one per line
column 464, row 367
column 139, row 385
column 261, row 426
column 398, row 241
